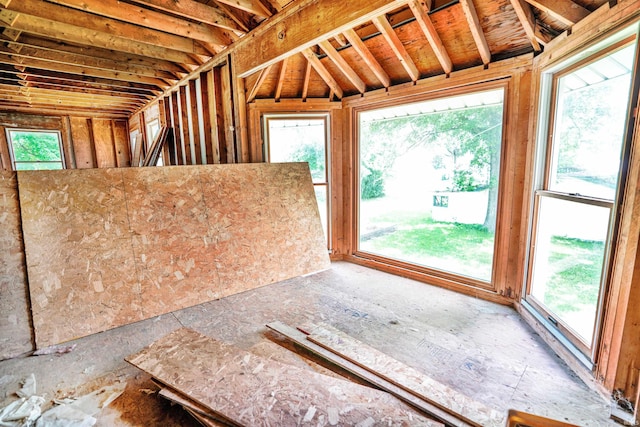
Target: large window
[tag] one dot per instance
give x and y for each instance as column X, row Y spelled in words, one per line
column 428, row 182
column 303, row 139
column 35, row 149
column 584, row 116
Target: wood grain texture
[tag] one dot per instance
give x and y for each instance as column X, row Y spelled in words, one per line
column 107, row 247
column 256, row 391
column 15, row 329
column 406, row 377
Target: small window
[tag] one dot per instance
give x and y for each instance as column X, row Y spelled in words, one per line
column 35, row 149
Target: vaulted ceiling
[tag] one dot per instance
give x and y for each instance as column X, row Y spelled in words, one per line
column 112, row 57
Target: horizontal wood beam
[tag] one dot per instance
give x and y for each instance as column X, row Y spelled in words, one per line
column 100, row 53
column 302, row 26
column 197, row 11
column 151, row 19
column 23, row 107
column 113, row 27
column 83, row 36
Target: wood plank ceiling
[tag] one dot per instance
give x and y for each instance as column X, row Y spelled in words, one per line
column 110, row 58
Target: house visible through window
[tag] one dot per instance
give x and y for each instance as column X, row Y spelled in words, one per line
column 35, row 149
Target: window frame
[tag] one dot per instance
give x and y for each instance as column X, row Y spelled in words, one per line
column 444, row 277
column 546, row 119
column 14, row 162
column 326, row 117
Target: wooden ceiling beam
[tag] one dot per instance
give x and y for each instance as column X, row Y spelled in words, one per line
column 252, row 6
column 151, row 19
column 11, row 58
column 85, row 61
column 342, row 65
column 66, row 103
column 23, row 107
column 358, row 45
column 281, row 79
column 527, row 20
column 197, row 11
column 70, row 88
column 323, row 72
column 302, row 26
column 396, row 45
column 256, row 87
column 566, row 11
column 100, row 53
column 56, row 30
column 36, row 74
column 476, row 30
column 432, row 35
column 113, row 27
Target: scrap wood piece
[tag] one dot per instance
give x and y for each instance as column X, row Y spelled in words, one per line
column 300, row 338
column 163, row 137
column 406, row 377
column 201, row 413
column 251, row 390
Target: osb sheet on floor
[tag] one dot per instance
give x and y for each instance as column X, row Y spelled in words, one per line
column 252, row 390
column 406, row 377
column 107, row 247
column 15, row 330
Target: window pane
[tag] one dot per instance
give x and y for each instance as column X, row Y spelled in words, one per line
column 321, row 198
column 589, row 126
column 568, row 261
column 35, row 146
column 299, row 140
column 27, row 166
column 429, row 182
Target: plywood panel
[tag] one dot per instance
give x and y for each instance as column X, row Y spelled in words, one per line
column 79, row 255
column 82, row 142
column 251, row 390
column 103, row 142
column 15, row 330
column 109, row 247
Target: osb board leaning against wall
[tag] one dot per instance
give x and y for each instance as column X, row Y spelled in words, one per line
column 107, row 247
column 15, row 328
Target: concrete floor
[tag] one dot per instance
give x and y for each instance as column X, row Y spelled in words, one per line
column 479, row 348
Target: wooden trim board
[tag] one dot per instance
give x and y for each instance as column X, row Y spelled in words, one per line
column 406, row 377
column 252, row 390
column 427, row 408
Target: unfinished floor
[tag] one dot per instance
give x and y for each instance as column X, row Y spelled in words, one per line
column 479, row 348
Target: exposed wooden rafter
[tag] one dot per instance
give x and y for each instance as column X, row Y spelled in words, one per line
column 281, row 79
column 256, row 87
column 567, row 11
column 396, row 45
column 528, row 21
column 430, row 32
column 324, row 74
column 476, row 30
column 342, row 65
column 366, row 55
column 252, row 6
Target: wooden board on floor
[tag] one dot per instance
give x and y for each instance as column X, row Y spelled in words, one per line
column 204, row 415
column 252, row 390
column 406, row 377
column 107, row 247
column 301, row 340
column 15, row 330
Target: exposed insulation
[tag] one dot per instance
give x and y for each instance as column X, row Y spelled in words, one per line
column 15, row 330
column 107, row 247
